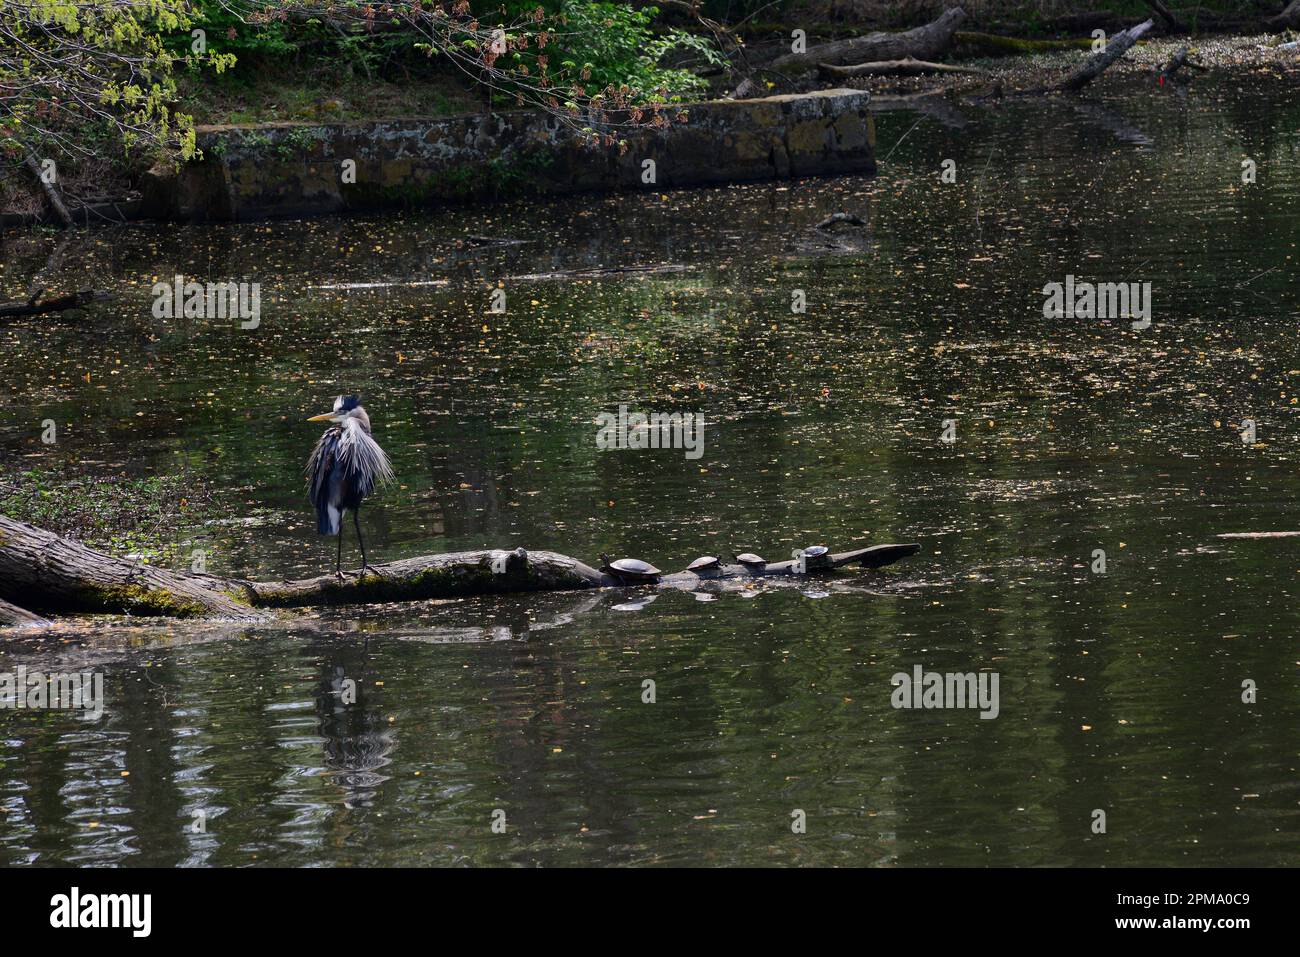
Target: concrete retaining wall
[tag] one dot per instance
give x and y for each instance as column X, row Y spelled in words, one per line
column 300, row 169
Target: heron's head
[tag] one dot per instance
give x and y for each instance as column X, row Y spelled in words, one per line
column 345, row 407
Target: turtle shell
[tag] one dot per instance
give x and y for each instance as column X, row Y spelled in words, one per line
column 815, row 551
column 749, row 558
column 701, row 563
column 634, row 566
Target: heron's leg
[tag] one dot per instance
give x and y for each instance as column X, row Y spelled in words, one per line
column 356, row 520
column 338, row 557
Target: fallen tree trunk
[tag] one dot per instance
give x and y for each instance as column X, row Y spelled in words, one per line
column 923, row 43
column 1177, row 62
column 994, row 44
column 13, row 616
column 462, row 574
column 1098, row 63
column 1171, row 22
column 51, row 194
column 33, row 307
column 55, row 574
column 904, row 67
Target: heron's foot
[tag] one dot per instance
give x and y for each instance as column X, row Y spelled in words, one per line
column 371, row 568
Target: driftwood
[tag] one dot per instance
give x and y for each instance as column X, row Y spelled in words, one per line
column 1171, row 22
column 54, row 574
column 1095, row 65
column 1176, row 63
column 33, row 307
column 923, row 43
column 51, row 194
column 905, row 67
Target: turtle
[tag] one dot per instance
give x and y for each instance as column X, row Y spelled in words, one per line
column 705, row 563
column 816, row 556
column 750, row 560
column 630, row 570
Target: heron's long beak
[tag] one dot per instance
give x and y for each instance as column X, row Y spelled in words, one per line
column 323, row 417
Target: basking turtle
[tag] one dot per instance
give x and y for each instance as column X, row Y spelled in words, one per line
column 751, row 561
column 705, row 563
column 816, row 556
column 630, row 571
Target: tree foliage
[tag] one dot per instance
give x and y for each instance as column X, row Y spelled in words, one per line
column 78, row 74
column 596, row 65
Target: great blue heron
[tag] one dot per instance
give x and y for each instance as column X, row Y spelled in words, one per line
column 344, row 468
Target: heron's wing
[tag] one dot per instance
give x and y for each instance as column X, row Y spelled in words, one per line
column 322, row 462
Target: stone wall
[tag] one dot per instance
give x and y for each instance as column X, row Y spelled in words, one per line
column 299, row 169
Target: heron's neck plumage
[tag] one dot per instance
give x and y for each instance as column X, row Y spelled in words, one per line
column 361, row 453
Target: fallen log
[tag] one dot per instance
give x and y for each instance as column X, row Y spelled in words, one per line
column 51, row 194
column 54, row 574
column 1098, row 63
column 1171, row 22
column 13, row 616
column 487, row 572
column 923, row 43
column 33, row 307
column 995, row 44
column 1176, row 63
column 905, row 67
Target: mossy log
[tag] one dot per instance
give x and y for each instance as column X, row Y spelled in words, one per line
column 994, row 45
column 488, row 572
column 49, row 573
column 56, row 575
column 923, row 43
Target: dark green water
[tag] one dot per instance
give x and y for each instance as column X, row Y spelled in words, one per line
column 1120, row 692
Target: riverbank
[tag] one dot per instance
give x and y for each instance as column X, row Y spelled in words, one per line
column 264, row 95
column 1258, row 59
